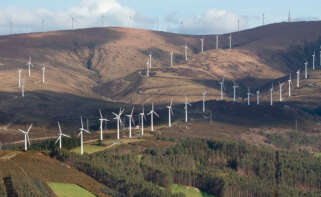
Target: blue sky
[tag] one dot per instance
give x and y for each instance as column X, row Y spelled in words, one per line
column 182, row 16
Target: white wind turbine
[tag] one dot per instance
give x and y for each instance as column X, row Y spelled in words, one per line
column 29, row 64
column 147, row 68
column 222, row 88
column 102, row 120
column 142, row 117
column 151, row 114
column 281, row 85
column 81, row 134
column 23, row 88
column 26, row 133
column 186, row 55
column 43, row 73
column 186, row 108
column 258, row 97
column 170, row 112
column 298, row 78
column 249, row 96
column 230, row 38
column 118, row 118
column 172, row 56
column 306, row 69
column 290, row 84
column 19, row 77
column 150, row 60
column 131, row 120
column 313, row 60
column 234, row 92
column 202, row 45
column 204, row 100
column 271, row 95
column 60, row 136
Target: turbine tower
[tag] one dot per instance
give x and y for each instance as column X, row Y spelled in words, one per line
column 23, row 88
column 186, row 55
column 186, row 109
column 298, row 78
column 248, row 96
column 170, row 112
column 29, row 64
column 238, row 24
column 258, row 97
column 59, row 139
column 271, row 95
column 147, row 68
column 150, row 60
column 290, row 84
column 151, row 114
column 234, row 92
column 202, row 45
column 281, row 85
column 263, row 18
column 118, row 118
column 222, row 88
column 72, row 22
column 313, row 61
column 43, row 73
column 306, row 69
column 142, row 117
column 230, row 38
column 81, row 134
column 204, row 100
column 131, row 120
column 26, row 133
column 19, row 78
column 289, row 16
column 172, row 56
column 102, row 120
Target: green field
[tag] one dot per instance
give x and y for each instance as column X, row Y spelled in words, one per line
column 69, row 190
column 90, row 148
column 189, row 191
column 318, row 155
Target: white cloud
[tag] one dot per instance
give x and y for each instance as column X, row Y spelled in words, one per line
column 211, row 22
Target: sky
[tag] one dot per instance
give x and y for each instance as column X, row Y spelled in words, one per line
column 178, row 16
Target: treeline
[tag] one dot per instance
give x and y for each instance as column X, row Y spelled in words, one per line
column 219, row 168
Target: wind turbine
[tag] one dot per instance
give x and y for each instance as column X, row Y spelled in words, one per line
column 289, row 16
column 23, row 88
column 202, row 45
column 248, row 96
column 19, row 77
column 204, row 98
column 222, row 88
column 186, row 56
column 238, row 24
column 81, row 134
column 290, row 84
column 102, row 119
column 131, row 120
column 234, row 92
column 281, row 85
column 313, row 60
column 26, row 133
column 172, row 56
column 151, row 114
column 258, row 97
column 72, row 22
column 263, row 18
column 29, row 64
column 216, row 41
column 118, row 118
column 142, row 117
column 60, row 136
column 298, row 79
column 150, row 60
column 170, row 112
column 43, row 73
column 271, row 91
column 147, row 68
column 306, row 69
column 186, row 108
column 230, row 38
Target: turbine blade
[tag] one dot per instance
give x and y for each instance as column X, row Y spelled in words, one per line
column 101, row 115
column 87, row 131
column 114, row 114
column 58, row 139
column 82, row 124
column 156, row 114
column 28, row 139
column 22, row 131
column 29, row 128
column 59, row 127
column 66, row 135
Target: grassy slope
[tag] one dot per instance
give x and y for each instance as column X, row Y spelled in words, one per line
column 189, row 191
column 69, row 190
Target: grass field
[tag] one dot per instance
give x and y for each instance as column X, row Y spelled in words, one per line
column 69, row 190
column 189, row 191
column 90, row 148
